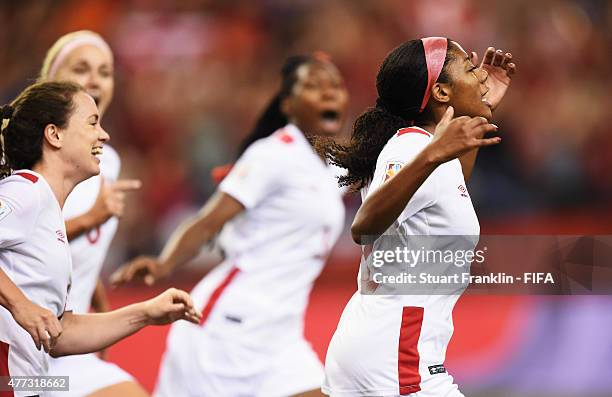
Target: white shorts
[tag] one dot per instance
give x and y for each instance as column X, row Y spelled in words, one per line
column 18, row 353
column 382, row 348
column 296, row 370
column 87, row 373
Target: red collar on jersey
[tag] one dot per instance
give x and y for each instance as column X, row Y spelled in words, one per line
column 28, row 176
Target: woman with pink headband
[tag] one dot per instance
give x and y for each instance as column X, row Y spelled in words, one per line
column 411, row 156
column 92, row 209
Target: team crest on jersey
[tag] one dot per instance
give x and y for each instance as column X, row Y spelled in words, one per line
column 4, row 210
column 392, row 168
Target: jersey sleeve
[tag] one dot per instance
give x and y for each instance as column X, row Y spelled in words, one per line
column 398, row 152
column 19, row 208
column 256, row 175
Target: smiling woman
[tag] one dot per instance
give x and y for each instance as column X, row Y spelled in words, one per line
column 50, row 138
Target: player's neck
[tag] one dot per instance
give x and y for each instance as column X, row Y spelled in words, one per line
column 61, row 184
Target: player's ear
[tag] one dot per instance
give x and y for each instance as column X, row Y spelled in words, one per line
column 53, row 135
column 441, row 92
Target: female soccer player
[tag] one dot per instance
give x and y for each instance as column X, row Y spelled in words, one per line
column 404, row 155
column 282, row 212
column 91, row 210
column 51, row 140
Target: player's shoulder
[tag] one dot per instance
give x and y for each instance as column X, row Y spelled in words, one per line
column 406, row 142
column 411, row 134
column 21, row 190
column 280, row 145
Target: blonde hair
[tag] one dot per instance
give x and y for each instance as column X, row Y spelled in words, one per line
column 65, row 45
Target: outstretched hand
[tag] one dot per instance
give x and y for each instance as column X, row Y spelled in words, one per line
column 170, row 306
column 145, row 268
column 500, row 68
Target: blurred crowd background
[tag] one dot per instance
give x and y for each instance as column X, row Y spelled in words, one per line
column 192, row 76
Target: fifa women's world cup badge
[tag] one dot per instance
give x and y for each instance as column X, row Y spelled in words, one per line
column 392, row 168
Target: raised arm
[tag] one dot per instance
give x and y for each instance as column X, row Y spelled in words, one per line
column 184, row 244
column 500, row 68
column 452, row 138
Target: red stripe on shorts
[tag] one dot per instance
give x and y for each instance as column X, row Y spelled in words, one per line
column 214, row 297
column 408, row 354
column 4, row 369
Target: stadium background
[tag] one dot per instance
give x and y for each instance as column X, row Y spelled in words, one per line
column 192, row 76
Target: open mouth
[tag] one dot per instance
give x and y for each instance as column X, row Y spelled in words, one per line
column 96, row 151
column 485, row 100
column 330, row 115
column 330, row 121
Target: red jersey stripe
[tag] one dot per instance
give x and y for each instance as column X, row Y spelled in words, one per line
column 214, row 297
column 412, row 130
column 29, row 177
column 4, row 368
column 408, row 353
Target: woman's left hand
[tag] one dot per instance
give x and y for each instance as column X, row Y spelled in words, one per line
column 500, row 68
column 169, row 306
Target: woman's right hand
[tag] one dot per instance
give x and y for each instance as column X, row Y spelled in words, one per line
column 145, row 268
column 454, row 137
column 42, row 325
column 111, row 200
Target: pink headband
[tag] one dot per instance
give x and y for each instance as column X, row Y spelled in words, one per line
column 435, row 54
column 85, row 39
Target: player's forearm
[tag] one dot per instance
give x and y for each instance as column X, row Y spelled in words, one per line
column 87, row 333
column 10, row 294
column 75, row 227
column 185, row 244
column 384, row 206
column 467, row 163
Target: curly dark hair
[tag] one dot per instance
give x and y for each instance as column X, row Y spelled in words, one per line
column 401, row 83
column 25, row 119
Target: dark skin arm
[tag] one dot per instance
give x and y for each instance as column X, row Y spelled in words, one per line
column 184, row 244
column 452, row 138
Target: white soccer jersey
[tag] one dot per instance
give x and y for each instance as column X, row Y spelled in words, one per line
column 395, row 344
column 34, row 253
column 89, row 250
column 253, row 304
column 87, row 372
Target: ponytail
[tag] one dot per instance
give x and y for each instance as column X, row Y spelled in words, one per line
column 371, row 131
column 271, row 120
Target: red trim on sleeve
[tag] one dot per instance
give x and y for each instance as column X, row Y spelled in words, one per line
column 408, row 357
column 214, row 297
column 29, row 177
column 4, row 369
column 412, row 130
column 219, row 173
